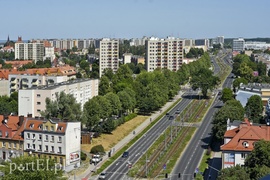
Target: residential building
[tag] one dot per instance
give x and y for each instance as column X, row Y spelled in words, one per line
column 137, row 59
column 49, row 53
column 11, row 139
column 201, row 43
column 4, row 86
column 81, row 89
column 164, row 53
column 239, row 142
column 29, row 51
column 108, row 55
column 238, row 44
column 53, row 139
column 218, row 40
column 31, row 78
column 127, row 58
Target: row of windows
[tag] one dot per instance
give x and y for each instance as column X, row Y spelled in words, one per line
column 46, row 137
column 6, row 134
column 52, row 149
column 10, row 145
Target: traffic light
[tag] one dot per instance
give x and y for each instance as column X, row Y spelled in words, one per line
column 166, row 175
column 179, row 175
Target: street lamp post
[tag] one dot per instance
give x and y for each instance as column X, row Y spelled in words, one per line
column 75, row 166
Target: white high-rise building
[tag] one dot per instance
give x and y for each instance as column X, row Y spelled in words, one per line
column 164, row 53
column 108, row 55
column 239, row 44
column 29, row 51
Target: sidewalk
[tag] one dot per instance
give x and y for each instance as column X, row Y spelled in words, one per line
column 92, row 168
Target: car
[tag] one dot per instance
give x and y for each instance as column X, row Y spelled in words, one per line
column 167, row 114
column 171, row 117
column 219, row 93
column 96, row 158
column 125, row 154
column 102, row 176
column 177, row 111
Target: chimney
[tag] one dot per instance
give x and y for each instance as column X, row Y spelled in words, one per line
column 29, row 115
column 21, row 119
column 5, row 120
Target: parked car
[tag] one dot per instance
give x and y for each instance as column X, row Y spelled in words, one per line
column 102, row 176
column 96, row 158
column 125, row 154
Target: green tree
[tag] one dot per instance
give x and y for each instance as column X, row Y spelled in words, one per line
column 9, row 105
column 258, row 161
column 227, row 94
column 254, row 108
column 232, row 110
column 125, row 100
column 245, row 71
column 114, row 102
column 108, row 126
column 64, row 107
column 104, row 86
column 204, row 79
column 238, row 81
column 31, row 168
column 233, row 173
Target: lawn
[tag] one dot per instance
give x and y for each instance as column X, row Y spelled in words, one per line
column 109, row 140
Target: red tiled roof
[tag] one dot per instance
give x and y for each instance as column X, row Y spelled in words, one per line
column 244, row 137
column 37, row 125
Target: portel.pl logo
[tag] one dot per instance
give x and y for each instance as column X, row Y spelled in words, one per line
column 38, row 165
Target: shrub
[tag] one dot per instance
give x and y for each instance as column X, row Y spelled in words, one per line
column 130, row 116
column 97, row 149
column 83, row 156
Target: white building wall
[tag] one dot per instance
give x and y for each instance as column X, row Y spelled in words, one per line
column 73, row 144
column 4, row 87
column 25, row 102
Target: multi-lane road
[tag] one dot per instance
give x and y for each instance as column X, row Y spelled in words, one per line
column 120, row 167
column 189, row 161
column 192, row 155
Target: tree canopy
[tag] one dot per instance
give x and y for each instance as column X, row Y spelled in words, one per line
column 227, row 94
column 254, row 108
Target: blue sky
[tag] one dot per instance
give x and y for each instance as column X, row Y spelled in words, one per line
column 134, row 18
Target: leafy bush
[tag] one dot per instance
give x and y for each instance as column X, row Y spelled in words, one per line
column 130, row 116
column 97, row 149
column 83, row 156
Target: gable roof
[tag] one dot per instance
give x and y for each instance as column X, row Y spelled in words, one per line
column 244, row 137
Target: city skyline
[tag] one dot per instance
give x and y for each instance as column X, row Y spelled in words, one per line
column 134, row 19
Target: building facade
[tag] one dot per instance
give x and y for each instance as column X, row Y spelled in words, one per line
column 4, row 86
column 238, row 44
column 29, row 51
column 11, row 139
column 53, row 139
column 164, row 53
column 81, row 89
column 239, row 141
column 108, row 55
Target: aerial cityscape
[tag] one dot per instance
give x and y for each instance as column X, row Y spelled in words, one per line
column 135, row 90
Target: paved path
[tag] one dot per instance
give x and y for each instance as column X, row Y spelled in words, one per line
column 87, row 174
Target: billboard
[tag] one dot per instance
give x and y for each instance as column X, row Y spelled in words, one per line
column 75, row 156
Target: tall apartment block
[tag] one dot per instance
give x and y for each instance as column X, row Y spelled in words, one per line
column 108, row 55
column 81, row 89
column 239, row 44
column 164, row 53
column 29, row 51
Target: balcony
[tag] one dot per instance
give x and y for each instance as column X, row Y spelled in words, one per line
column 13, row 86
column 24, row 81
column 13, row 81
column 35, row 82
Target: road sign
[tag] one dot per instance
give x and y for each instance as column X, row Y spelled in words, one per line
column 164, row 166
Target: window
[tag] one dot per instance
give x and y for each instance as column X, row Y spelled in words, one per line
column 28, row 146
column 39, row 126
column 40, row 148
column 38, row 110
column 34, row 146
column 59, row 139
column 46, row 148
column 0, row 133
column 31, row 125
column 14, row 145
column 21, row 145
column 52, row 138
column 52, row 148
column 34, row 136
column 243, row 155
column 46, row 128
column 46, row 138
column 38, row 95
column 40, row 137
column 6, row 133
column 9, row 145
column 59, row 150
column 61, row 160
column 51, row 128
column 28, row 135
column 4, row 144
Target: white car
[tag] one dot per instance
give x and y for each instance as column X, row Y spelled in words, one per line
column 96, row 159
column 102, row 176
